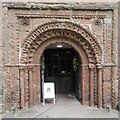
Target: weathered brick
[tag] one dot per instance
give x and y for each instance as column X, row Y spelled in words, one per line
column 90, row 28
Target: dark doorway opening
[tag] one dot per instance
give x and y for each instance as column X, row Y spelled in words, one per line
column 61, row 69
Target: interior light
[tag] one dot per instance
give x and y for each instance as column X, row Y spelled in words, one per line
column 59, row 46
column 68, row 52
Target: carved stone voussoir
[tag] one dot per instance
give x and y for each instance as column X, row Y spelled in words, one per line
column 68, row 28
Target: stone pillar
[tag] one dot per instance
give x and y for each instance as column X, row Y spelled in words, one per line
column 99, row 86
column 85, row 81
column 34, row 85
column 7, row 88
column 92, row 68
column 26, row 98
column 113, row 87
column 38, row 85
column 22, row 87
column 30, row 86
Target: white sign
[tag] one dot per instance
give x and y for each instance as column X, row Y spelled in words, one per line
column 48, row 91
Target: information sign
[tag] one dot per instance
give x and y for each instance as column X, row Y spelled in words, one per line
column 48, row 91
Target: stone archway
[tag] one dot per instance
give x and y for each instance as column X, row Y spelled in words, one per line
column 68, row 29
column 82, row 41
column 83, row 57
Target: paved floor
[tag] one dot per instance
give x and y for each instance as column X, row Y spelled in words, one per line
column 66, row 107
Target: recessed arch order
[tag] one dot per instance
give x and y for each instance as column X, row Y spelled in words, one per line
column 71, row 31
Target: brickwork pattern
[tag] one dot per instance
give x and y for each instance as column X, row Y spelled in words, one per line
column 89, row 28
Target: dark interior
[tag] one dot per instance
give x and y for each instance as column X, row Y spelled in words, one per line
column 60, row 70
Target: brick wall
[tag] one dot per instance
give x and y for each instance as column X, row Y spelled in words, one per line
column 18, row 26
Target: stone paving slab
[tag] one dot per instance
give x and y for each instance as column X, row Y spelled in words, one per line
column 59, row 1
column 65, row 107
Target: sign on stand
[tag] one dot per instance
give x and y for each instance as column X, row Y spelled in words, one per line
column 48, row 91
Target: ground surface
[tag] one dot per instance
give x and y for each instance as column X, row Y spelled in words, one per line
column 59, row 1
column 66, row 107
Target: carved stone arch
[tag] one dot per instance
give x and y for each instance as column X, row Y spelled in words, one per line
column 38, row 53
column 84, row 61
column 63, row 34
column 40, row 31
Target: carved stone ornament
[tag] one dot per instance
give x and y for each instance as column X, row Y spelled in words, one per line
column 25, row 21
column 31, row 40
column 97, row 22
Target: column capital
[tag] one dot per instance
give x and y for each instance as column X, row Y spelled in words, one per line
column 91, row 66
column 99, row 66
column 21, row 67
column 30, row 67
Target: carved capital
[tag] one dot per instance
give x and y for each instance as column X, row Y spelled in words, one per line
column 99, row 66
column 30, row 67
column 22, row 67
column 91, row 66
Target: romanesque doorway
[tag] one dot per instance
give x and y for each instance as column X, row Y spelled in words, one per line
column 62, row 66
column 82, row 42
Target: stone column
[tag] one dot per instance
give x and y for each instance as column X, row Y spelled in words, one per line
column 85, row 79
column 38, row 85
column 99, row 86
column 113, row 87
column 34, row 85
column 92, row 68
column 26, row 88
column 22, row 87
column 30, row 86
